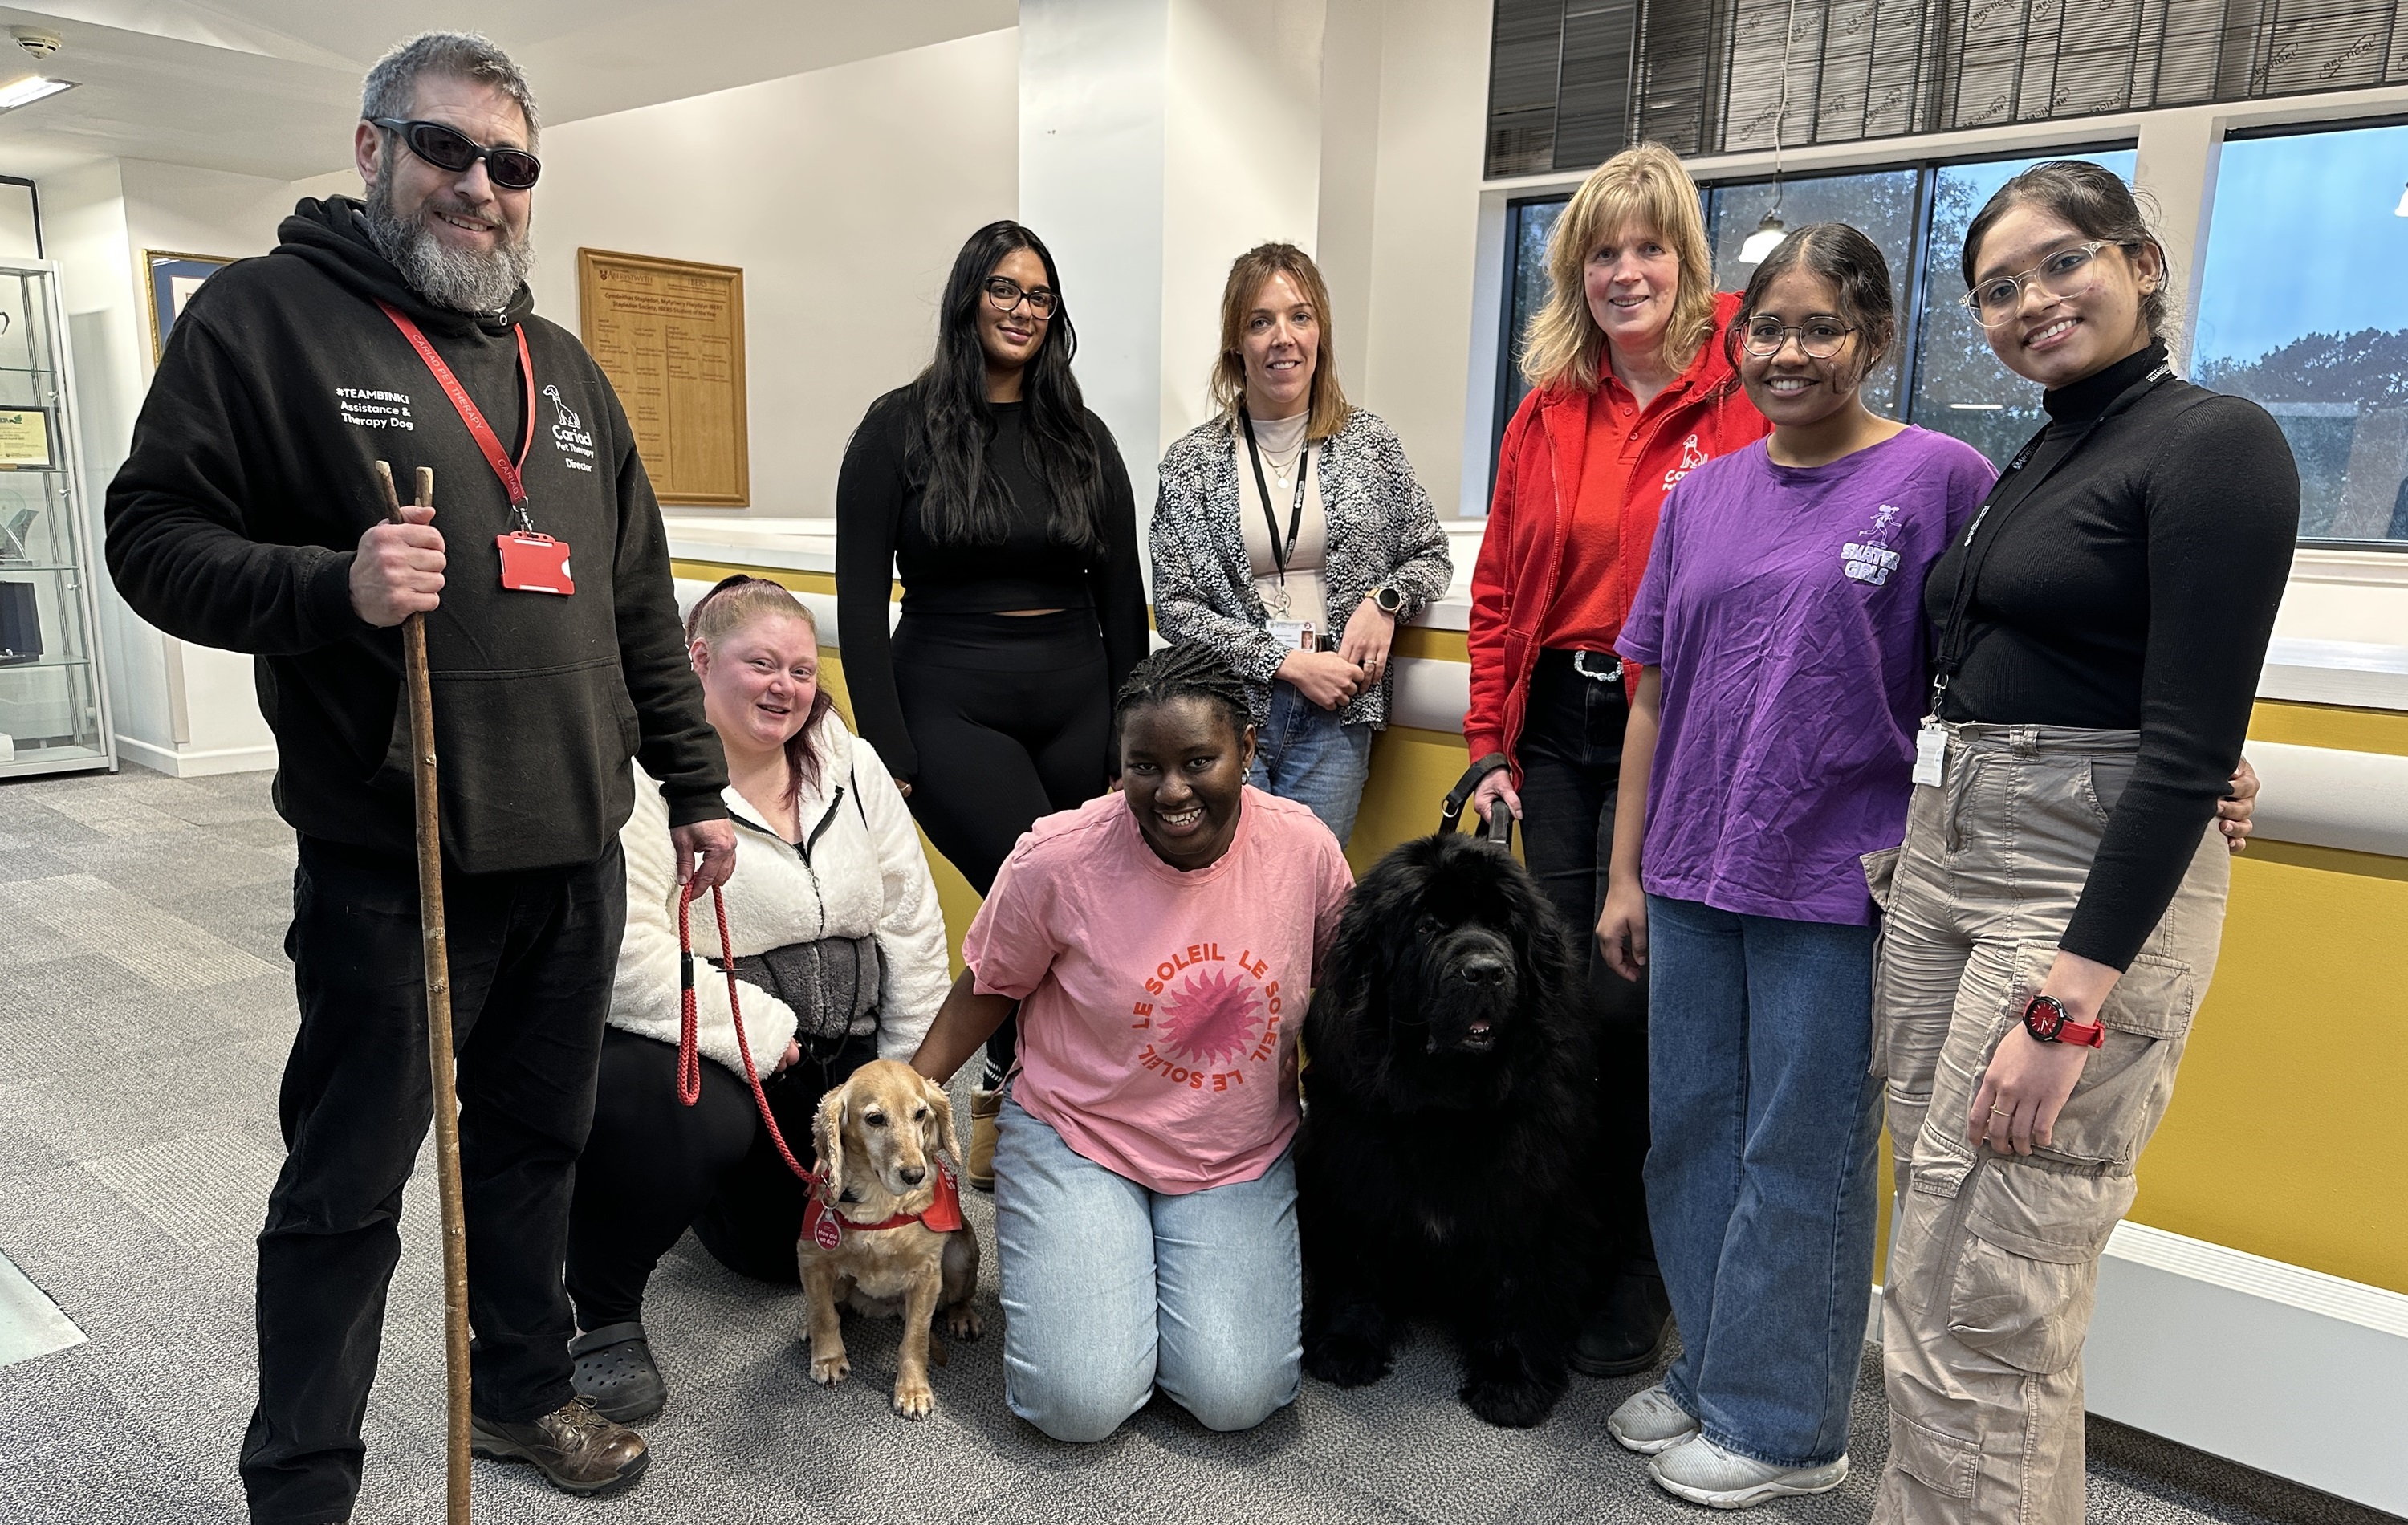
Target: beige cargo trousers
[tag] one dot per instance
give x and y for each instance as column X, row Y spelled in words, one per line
column 1994, row 1267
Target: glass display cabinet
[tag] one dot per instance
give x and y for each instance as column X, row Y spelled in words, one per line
column 53, row 715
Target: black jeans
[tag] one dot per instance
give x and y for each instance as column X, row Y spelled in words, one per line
column 1011, row 716
column 1571, row 751
column 532, row 955
column 655, row 1167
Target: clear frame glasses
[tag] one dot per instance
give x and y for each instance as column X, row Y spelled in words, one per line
column 2070, row 271
column 1819, row 337
column 1006, row 293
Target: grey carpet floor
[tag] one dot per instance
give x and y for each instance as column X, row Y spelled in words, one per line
column 145, row 1009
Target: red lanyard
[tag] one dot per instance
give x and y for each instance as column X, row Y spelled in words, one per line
column 504, row 468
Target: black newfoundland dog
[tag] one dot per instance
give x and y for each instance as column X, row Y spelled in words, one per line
column 1443, row 1167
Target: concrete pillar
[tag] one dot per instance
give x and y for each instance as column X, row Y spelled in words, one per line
column 2179, row 154
column 1159, row 139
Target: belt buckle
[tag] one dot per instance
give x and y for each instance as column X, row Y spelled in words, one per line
column 1580, row 665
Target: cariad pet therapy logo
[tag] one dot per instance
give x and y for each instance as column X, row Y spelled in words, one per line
column 569, row 435
column 1209, row 1017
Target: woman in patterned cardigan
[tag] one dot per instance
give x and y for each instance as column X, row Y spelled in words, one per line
column 1291, row 538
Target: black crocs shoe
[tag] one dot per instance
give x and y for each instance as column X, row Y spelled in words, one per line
column 1626, row 1334
column 616, row 1372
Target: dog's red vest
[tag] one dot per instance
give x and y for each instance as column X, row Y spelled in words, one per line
column 823, row 1226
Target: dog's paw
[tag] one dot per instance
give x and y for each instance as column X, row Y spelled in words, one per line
column 830, row 1368
column 1346, row 1360
column 1510, row 1403
column 914, row 1398
column 962, row 1322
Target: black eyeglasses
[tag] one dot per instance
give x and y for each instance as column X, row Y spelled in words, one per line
column 1819, row 337
column 1006, row 293
column 449, row 149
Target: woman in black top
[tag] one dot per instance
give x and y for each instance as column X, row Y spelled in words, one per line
column 2056, row 906
column 1001, row 503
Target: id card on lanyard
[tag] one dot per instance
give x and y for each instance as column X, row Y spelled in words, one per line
column 1298, row 634
column 531, row 561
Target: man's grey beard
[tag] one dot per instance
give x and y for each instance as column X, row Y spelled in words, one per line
column 447, row 277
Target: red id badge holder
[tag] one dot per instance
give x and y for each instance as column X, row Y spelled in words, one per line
column 533, row 562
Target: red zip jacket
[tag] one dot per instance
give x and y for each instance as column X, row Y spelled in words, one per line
column 1702, row 415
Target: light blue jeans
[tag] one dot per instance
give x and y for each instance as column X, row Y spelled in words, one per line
column 1303, row 753
column 1111, row 1289
column 1760, row 1169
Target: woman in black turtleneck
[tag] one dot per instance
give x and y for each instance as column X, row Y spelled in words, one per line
column 2058, row 904
column 1002, row 505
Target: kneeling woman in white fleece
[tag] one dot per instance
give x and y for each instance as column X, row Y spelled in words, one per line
column 841, row 952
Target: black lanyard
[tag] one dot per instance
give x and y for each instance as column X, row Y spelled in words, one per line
column 1954, row 638
column 1270, row 518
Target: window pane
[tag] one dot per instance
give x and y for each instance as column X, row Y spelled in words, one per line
column 1959, row 386
column 2302, row 307
column 1880, row 205
column 1527, row 227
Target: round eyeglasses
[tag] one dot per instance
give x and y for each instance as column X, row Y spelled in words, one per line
column 1820, row 338
column 1006, row 293
column 451, row 150
column 2070, row 271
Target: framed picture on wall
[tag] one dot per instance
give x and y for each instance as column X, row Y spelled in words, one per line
column 173, row 279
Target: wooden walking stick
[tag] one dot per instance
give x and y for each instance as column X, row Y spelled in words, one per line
column 439, row 1026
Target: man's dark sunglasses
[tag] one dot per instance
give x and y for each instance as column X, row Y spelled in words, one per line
column 451, row 150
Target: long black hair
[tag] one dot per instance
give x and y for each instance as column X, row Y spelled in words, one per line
column 961, row 501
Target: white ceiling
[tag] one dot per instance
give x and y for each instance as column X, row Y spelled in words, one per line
column 272, row 87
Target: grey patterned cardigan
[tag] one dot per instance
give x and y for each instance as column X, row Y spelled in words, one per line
column 1382, row 529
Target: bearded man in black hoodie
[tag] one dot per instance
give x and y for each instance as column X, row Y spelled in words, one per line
column 247, row 517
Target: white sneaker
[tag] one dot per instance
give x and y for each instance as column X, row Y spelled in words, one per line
column 1649, row 1421
column 1702, row 1472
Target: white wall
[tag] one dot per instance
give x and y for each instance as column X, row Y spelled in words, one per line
column 1241, row 167
column 176, row 706
column 1161, row 138
column 1426, row 336
column 843, row 193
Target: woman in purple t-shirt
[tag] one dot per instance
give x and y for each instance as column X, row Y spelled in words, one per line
column 1781, row 627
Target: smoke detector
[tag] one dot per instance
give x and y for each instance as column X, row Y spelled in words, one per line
column 39, row 44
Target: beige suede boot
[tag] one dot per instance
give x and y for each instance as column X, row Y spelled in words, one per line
column 979, row 1169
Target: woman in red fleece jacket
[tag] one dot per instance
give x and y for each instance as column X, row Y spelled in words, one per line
column 1628, row 396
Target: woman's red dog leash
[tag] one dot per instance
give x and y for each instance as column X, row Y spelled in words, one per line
column 689, row 1053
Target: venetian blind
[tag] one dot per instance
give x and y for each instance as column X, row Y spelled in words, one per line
column 1571, row 81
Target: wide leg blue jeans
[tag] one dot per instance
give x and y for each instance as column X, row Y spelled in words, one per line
column 1760, row 1184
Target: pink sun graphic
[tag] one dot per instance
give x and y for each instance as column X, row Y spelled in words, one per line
column 1211, row 1019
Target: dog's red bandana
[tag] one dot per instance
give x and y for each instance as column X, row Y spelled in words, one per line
column 826, row 1227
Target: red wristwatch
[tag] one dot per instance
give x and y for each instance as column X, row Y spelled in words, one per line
column 2046, row 1019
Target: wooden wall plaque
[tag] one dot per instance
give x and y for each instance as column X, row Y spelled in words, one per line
column 670, row 336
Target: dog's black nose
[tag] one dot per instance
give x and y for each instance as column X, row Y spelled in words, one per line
column 1483, row 971
column 913, row 1174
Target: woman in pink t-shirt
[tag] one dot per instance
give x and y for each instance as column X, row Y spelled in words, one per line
column 1160, row 944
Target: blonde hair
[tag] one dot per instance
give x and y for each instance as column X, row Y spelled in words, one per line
column 733, row 603
column 1640, row 187
column 1329, row 408
column 737, row 601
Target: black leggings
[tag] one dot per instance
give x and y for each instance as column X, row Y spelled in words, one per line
column 652, row 1168
column 1570, row 749
column 1010, row 720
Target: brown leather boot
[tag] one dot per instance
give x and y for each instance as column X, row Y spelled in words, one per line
column 574, row 1446
column 979, row 1169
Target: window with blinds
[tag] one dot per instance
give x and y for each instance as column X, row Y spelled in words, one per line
column 1573, row 82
